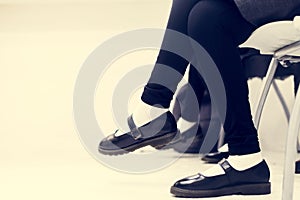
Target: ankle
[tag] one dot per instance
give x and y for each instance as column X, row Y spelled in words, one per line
column 243, row 162
column 144, row 113
column 184, row 125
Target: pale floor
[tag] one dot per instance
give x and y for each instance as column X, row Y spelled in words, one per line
column 41, row 52
column 78, row 176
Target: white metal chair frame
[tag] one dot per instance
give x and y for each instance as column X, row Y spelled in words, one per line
column 282, row 56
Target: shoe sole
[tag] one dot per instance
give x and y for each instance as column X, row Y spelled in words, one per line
column 158, row 143
column 246, row 189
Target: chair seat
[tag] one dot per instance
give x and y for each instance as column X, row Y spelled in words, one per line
column 273, row 36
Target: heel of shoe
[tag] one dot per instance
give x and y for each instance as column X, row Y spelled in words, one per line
column 164, row 142
column 255, row 189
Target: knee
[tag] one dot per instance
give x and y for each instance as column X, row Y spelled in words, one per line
column 204, row 18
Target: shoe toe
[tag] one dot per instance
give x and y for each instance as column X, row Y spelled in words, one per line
column 106, row 143
column 188, row 181
column 113, row 142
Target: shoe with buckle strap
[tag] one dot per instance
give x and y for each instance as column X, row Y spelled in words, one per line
column 158, row 133
column 252, row 181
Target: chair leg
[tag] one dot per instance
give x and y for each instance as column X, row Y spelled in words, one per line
column 282, row 101
column 221, row 137
column 298, row 144
column 264, row 91
column 290, row 154
column 285, row 108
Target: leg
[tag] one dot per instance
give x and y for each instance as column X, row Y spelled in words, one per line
column 207, row 117
column 219, row 28
column 192, row 126
column 160, row 95
column 297, row 170
column 220, row 36
column 155, row 94
column 193, row 95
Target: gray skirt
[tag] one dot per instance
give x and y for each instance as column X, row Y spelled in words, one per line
column 259, row 12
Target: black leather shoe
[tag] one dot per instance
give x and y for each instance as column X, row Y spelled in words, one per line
column 190, row 141
column 215, row 157
column 253, row 181
column 157, row 133
column 298, row 167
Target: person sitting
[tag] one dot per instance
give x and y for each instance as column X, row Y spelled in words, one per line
column 219, row 27
column 256, row 65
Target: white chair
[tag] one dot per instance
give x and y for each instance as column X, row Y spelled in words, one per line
column 282, row 40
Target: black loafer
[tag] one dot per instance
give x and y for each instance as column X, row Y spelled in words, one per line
column 297, row 167
column 253, row 181
column 157, row 133
column 215, row 157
